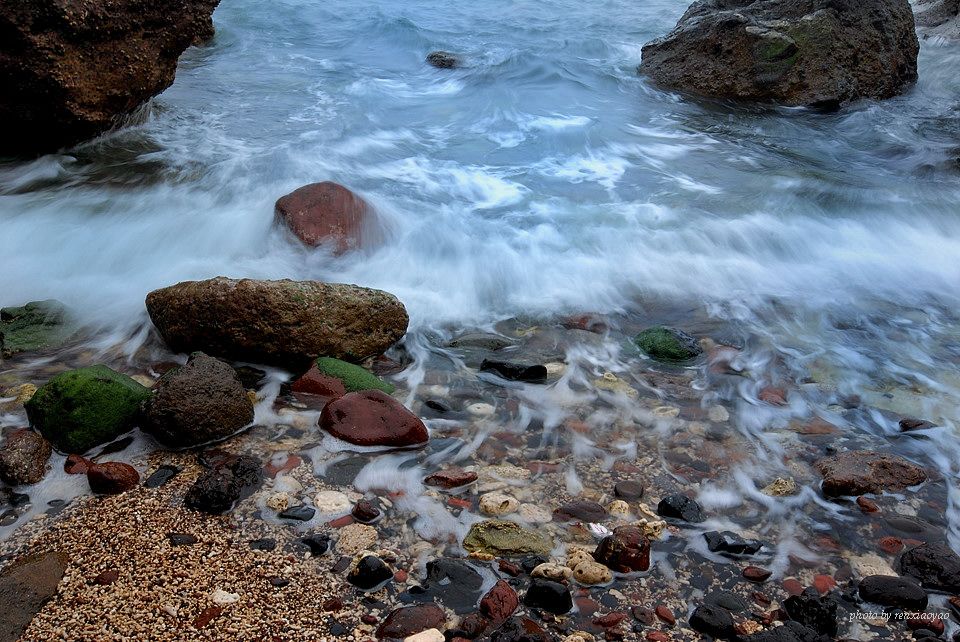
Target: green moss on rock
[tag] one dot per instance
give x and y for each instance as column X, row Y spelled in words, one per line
column 354, row 378
column 667, row 344
column 34, row 326
column 505, row 539
column 82, row 408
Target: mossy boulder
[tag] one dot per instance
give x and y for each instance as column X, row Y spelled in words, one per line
column 79, row 409
column 667, row 344
column 34, row 326
column 353, row 377
column 505, row 539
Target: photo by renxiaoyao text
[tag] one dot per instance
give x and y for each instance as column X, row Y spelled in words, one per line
column 511, row 320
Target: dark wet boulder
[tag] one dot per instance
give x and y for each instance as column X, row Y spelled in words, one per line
column 370, row 573
column 79, row 67
column 712, row 620
column 731, row 544
column 887, row 590
column 667, row 344
column 373, row 418
column 25, row 586
column 200, row 402
column 857, row 472
column 625, row 551
column 23, row 457
column 352, row 377
column 549, row 596
column 814, row 611
column 789, row 631
column 444, row 60
column 80, row 409
column 327, row 213
column 681, row 507
column 407, row 620
column 285, row 323
column 788, row 52
column 112, row 478
column 934, row 565
column 37, row 325
column 515, row 371
column 228, row 479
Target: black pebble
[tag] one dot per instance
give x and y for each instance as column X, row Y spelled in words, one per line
column 302, row 513
column 681, row 507
column 712, row 620
column 161, row 476
column 371, row 572
column 729, row 543
column 181, row 539
column 549, row 596
column 318, row 544
column 265, row 544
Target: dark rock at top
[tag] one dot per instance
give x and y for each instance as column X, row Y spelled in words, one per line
column 934, row 565
column 200, row 402
column 813, row 611
column 513, row 371
column 548, row 596
column 79, row 66
column 712, row 620
column 858, row 472
column 23, row 457
column 887, row 590
column 729, row 543
column 444, row 60
column 789, row 52
column 220, row 487
column 407, row 620
column 681, row 507
column 370, row 573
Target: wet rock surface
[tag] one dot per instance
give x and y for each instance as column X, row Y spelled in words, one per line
column 327, row 213
column 25, row 586
column 372, row 418
column 886, row 590
column 934, row 565
column 23, row 457
column 860, row 472
column 112, row 477
column 38, row 325
column 221, row 486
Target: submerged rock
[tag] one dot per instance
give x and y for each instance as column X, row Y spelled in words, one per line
column 370, row 572
column 444, row 60
column 814, row 611
column 23, row 457
column 857, row 472
column 513, row 371
column 712, row 620
column 789, row 52
column 667, row 344
column 25, row 586
column 505, row 539
column 80, row 409
column 38, row 325
column 326, row 212
column 678, row 506
column 934, row 565
column 352, row 377
column 372, row 418
column 79, row 66
column 547, row 595
column 729, row 543
column 285, row 323
column 886, row 590
column 197, row 403
column 625, row 551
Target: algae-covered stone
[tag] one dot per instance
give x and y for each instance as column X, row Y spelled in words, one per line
column 354, row 378
column 34, row 326
column 79, row 409
column 505, row 539
column 667, row 344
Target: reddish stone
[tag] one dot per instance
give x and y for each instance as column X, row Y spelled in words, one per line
column 474, row 625
column 408, row 620
column 626, row 550
column 458, row 503
column 757, row 574
column 658, row 636
column 509, row 568
column 542, row 467
column 112, row 478
column 314, row 382
column 665, row 614
column 499, row 603
column 333, row 604
column 206, row 615
column 610, row 619
column 857, row 472
column 793, row 586
column 107, row 577
column 76, row 465
column 372, row 418
column 773, row 396
column 587, row 606
column 867, row 505
column 340, row 522
column 644, row 615
column 326, row 212
column 891, row 545
column 367, row 618
column 817, row 426
column 589, row 322
column 928, row 623
column 272, row 470
column 451, row 478
column 400, row 576
column 824, row 583
column 761, row 598
column 583, row 510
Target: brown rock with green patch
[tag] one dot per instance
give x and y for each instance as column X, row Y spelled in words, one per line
column 505, row 539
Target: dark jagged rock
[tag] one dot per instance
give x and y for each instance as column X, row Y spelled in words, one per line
column 370, row 572
column 301, row 513
column 789, row 52
column 327, row 213
column 23, row 457
column 444, row 60
column 712, row 620
column 887, row 590
column 224, row 484
column 513, row 371
column 788, row 632
column 814, row 611
column 857, row 472
column 318, row 544
column 625, row 551
column 934, row 565
column 729, row 543
column 454, row 583
column 285, row 323
column 37, row 325
column 372, row 418
column 681, row 507
column 548, row 596
column 200, row 402
column 161, row 476
column 79, row 66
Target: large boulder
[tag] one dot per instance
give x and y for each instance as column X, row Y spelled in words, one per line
column 856, row 472
column 200, row 402
column 79, row 409
column 23, row 457
column 327, row 212
column 790, row 52
column 72, row 68
column 37, row 325
column 373, row 418
column 285, row 323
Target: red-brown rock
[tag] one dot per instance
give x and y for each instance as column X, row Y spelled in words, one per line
column 867, row 505
column 112, row 478
column 610, row 620
column 107, row 577
column 372, row 418
column 857, row 472
column 76, row 465
column 314, row 382
column 326, row 213
column 757, row 574
column 824, row 583
column 665, row 614
column 408, row 620
column 451, row 478
column 625, row 551
column 500, row 602
column 773, row 396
